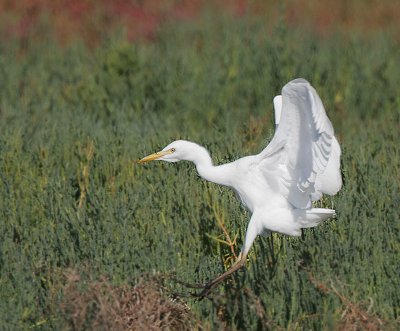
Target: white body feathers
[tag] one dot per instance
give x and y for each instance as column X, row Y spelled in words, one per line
column 278, row 185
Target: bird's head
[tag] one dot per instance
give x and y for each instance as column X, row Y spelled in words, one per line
column 176, row 151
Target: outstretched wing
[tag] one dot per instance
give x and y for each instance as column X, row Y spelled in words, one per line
column 304, row 152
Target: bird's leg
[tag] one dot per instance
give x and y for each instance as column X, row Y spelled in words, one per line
column 250, row 236
column 189, row 285
column 213, row 283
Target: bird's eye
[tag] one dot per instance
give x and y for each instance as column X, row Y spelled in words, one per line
column 172, row 150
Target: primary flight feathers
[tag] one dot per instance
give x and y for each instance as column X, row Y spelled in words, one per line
column 307, row 152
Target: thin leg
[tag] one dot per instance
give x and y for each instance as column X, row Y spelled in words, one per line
column 252, row 232
column 213, row 283
column 250, row 236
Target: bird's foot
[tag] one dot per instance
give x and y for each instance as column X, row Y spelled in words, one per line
column 207, row 289
column 189, row 285
column 212, row 284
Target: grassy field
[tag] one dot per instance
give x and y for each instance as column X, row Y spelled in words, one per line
column 82, row 226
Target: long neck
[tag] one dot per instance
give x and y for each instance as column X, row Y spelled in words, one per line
column 206, row 169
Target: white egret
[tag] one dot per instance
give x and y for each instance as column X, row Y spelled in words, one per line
column 278, row 185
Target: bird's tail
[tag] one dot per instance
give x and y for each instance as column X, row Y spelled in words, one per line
column 312, row 217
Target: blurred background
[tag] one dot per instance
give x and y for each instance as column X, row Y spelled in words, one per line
column 91, row 20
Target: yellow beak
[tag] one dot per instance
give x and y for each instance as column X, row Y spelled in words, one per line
column 154, row 156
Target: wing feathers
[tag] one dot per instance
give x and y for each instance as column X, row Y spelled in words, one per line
column 330, row 180
column 305, row 135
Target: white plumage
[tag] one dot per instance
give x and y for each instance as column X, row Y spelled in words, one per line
column 278, row 185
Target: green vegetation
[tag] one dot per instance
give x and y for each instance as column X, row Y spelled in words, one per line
column 73, row 121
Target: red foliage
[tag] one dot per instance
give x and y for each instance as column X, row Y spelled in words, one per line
column 90, row 19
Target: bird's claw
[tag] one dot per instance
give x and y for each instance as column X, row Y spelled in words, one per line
column 189, row 285
column 205, row 292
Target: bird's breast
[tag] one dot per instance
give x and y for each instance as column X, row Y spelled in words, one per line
column 255, row 192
